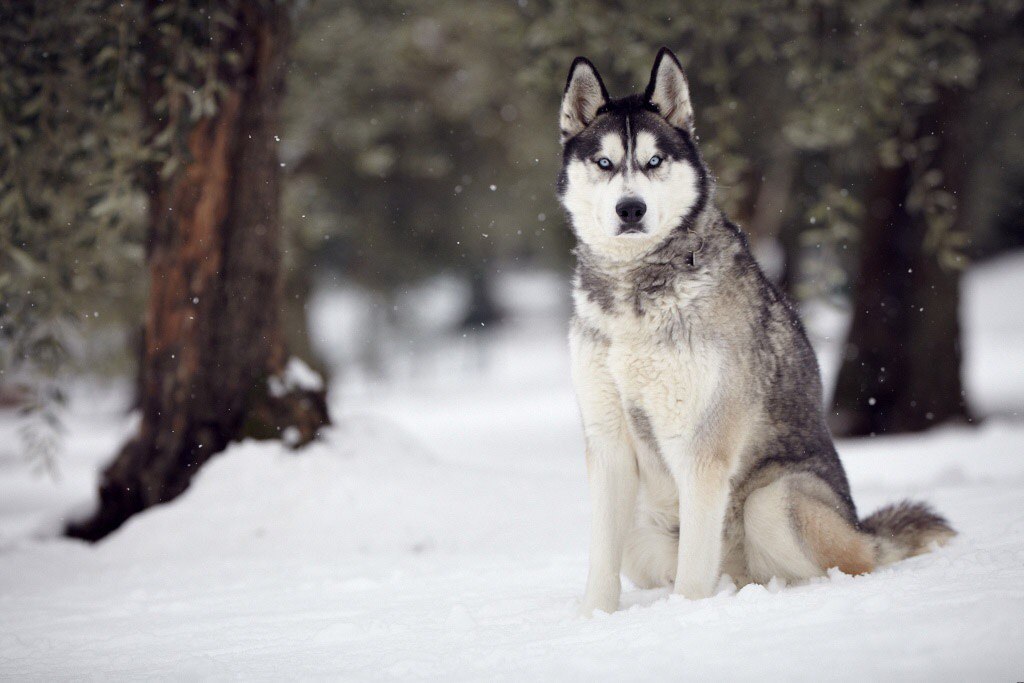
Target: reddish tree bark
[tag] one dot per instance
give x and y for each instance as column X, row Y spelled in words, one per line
column 213, row 339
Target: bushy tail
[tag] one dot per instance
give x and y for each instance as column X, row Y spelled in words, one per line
column 905, row 529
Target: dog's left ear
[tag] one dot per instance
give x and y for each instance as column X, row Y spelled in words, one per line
column 669, row 92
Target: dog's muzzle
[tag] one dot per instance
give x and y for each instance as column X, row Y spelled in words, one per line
column 631, row 211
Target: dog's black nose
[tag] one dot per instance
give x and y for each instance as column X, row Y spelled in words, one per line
column 631, row 210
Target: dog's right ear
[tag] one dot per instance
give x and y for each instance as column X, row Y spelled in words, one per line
column 584, row 95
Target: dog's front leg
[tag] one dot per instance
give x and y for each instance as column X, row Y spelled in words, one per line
column 703, row 499
column 611, row 468
column 613, row 479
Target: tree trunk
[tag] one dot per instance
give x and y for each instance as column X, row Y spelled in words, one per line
column 482, row 310
column 901, row 371
column 213, row 367
column 768, row 227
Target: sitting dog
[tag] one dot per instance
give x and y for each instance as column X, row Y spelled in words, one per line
column 706, row 442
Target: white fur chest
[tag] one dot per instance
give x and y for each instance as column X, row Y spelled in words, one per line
column 660, row 353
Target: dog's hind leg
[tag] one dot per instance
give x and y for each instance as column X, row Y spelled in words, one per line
column 651, row 553
column 794, row 531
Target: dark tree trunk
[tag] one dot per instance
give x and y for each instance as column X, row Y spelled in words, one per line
column 901, row 370
column 807, row 174
column 482, row 309
column 213, row 341
column 768, row 218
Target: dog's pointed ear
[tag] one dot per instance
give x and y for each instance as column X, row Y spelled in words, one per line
column 669, row 92
column 584, row 95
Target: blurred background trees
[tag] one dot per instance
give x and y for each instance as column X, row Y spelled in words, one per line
column 181, row 102
column 415, row 147
column 848, row 138
column 849, row 135
column 870, row 149
column 70, row 219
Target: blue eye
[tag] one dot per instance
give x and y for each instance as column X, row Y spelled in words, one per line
column 655, row 161
column 605, row 163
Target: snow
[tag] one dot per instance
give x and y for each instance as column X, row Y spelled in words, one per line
column 439, row 531
column 994, row 319
column 297, row 375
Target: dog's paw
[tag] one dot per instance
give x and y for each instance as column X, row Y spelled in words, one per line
column 587, row 611
column 592, row 605
column 601, row 595
column 692, row 590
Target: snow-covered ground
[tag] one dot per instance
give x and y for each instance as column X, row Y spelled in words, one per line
column 439, row 532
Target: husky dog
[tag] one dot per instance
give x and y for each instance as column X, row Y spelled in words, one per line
column 707, row 447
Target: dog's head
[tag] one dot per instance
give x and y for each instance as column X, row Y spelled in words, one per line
column 631, row 172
